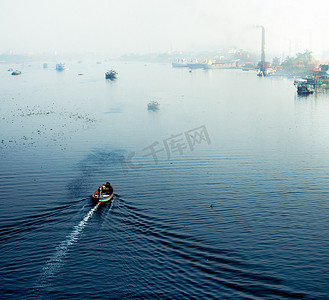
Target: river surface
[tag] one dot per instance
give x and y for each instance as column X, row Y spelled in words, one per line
column 221, row 194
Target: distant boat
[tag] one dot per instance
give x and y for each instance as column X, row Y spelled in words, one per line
column 45, row 65
column 303, row 87
column 153, row 105
column 194, row 64
column 111, row 74
column 103, row 194
column 303, row 90
column 220, row 65
column 60, row 67
column 179, row 63
column 16, row 73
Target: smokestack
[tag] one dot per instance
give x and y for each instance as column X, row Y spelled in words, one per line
column 263, row 45
column 262, row 58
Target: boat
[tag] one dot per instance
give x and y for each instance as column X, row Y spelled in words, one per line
column 303, row 87
column 194, row 64
column 220, row 65
column 111, row 74
column 153, row 105
column 45, row 65
column 179, row 63
column 103, row 194
column 304, row 90
column 16, row 73
column 60, row 67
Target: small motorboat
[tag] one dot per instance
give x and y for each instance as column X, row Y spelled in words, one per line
column 103, row 194
column 60, row 67
column 16, row 73
column 153, row 105
column 111, row 74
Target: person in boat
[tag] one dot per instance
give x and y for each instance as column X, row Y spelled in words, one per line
column 107, row 186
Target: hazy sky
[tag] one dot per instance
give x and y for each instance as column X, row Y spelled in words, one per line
column 124, row 26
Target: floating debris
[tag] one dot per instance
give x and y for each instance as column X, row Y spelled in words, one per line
column 34, row 120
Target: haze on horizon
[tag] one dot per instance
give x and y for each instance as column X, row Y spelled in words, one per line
column 129, row 26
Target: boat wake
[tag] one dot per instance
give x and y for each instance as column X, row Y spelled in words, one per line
column 56, row 261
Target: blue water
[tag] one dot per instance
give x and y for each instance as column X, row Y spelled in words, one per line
column 240, row 214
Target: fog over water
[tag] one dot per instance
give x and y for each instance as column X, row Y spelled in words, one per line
column 115, row 27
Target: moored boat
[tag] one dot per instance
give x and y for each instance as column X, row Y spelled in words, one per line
column 303, row 90
column 220, row 65
column 111, row 74
column 303, row 87
column 103, row 194
column 194, row 64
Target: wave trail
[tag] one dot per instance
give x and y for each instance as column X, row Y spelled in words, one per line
column 56, row 261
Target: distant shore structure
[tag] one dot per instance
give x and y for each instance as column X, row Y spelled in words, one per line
column 262, row 64
column 265, row 68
